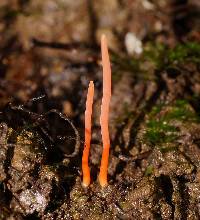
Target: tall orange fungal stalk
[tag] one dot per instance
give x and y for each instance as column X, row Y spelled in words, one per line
column 104, row 117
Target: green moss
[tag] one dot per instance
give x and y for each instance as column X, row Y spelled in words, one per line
column 160, row 132
column 155, row 56
column 162, row 56
column 160, row 129
column 189, row 51
column 182, row 111
column 149, row 170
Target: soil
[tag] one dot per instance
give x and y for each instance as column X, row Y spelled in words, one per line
column 49, row 51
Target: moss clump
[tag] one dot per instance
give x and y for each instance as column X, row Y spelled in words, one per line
column 160, row 132
column 182, row 111
column 161, row 129
column 149, row 170
column 155, row 56
column 163, row 57
column 189, row 51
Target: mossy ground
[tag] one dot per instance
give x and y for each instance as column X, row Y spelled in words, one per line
column 161, row 129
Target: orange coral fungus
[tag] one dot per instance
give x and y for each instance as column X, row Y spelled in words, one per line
column 104, row 117
column 88, row 116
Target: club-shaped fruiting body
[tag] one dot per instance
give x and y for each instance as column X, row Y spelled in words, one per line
column 104, row 120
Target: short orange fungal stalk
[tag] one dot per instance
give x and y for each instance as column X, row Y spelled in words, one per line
column 104, row 117
column 88, row 118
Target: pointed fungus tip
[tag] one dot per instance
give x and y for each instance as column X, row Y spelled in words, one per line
column 103, row 41
column 103, row 37
column 91, row 84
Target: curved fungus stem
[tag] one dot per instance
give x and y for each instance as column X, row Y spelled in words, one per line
column 88, row 118
column 104, row 117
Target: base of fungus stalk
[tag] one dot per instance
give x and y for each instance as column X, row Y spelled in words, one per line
column 86, row 178
column 103, row 174
column 104, row 182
